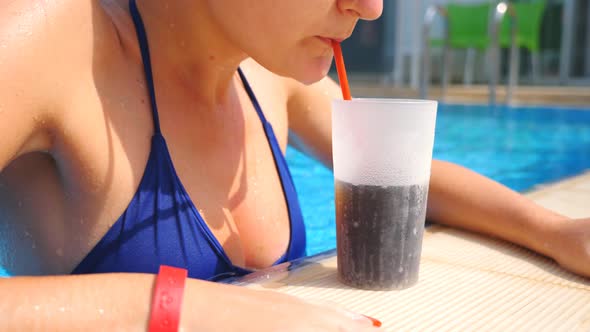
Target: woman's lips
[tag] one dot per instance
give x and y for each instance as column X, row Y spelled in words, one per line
column 328, row 41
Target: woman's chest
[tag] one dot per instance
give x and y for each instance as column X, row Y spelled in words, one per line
column 230, row 169
column 226, row 163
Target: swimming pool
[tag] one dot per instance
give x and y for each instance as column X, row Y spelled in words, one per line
column 520, row 147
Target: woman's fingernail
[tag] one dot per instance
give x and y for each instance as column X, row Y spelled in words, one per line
column 364, row 318
column 376, row 322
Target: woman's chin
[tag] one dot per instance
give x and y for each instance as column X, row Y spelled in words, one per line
column 314, row 71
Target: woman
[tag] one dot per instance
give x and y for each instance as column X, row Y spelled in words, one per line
column 113, row 161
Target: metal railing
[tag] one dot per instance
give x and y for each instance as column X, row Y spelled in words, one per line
column 500, row 10
column 429, row 17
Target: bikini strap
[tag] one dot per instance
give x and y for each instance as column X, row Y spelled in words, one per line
column 252, row 97
column 145, row 56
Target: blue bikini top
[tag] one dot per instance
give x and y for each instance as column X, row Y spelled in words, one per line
column 162, row 226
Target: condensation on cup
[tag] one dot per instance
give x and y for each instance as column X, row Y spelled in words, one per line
column 382, row 151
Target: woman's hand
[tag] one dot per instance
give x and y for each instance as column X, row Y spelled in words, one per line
column 570, row 245
column 216, row 307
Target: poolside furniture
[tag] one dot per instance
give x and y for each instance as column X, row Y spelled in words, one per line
column 468, row 26
column 484, row 27
column 530, row 17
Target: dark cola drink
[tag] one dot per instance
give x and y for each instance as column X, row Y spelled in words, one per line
column 379, row 234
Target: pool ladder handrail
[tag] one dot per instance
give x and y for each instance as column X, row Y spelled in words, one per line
column 500, row 10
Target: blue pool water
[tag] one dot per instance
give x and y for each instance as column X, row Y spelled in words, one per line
column 519, row 147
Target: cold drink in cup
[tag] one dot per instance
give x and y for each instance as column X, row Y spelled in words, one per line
column 380, row 231
column 382, row 154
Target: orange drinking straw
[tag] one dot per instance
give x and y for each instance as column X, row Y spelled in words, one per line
column 341, row 70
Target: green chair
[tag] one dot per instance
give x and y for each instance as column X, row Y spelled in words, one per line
column 529, row 19
column 468, row 25
column 468, row 29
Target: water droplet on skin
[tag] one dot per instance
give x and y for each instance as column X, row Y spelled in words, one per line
column 415, row 231
column 59, row 252
column 101, row 311
column 36, row 307
column 62, row 309
column 400, row 270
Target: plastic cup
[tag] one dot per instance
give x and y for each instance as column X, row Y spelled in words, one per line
column 382, row 151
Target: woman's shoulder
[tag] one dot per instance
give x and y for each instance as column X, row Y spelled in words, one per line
column 58, row 26
column 48, row 40
column 48, row 53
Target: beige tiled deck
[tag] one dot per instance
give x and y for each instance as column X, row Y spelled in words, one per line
column 570, row 197
column 467, row 282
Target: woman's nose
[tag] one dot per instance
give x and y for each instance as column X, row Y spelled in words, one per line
column 364, row 9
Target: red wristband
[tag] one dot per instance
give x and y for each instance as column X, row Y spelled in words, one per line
column 167, row 300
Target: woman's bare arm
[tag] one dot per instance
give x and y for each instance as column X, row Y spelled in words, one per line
column 45, row 46
column 107, row 302
column 24, row 106
column 121, row 302
column 462, row 198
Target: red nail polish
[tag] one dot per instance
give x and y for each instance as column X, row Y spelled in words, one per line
column 376, row 322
